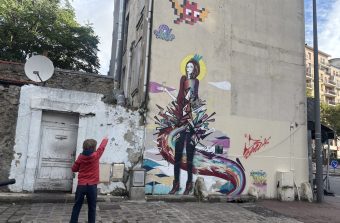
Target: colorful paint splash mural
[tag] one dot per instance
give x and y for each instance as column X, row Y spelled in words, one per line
column 182, row 129
column 253, row 145
column 164, row 33
column 188, row 12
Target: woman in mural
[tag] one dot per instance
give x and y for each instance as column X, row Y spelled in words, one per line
column 184, row 124
column 187, row 100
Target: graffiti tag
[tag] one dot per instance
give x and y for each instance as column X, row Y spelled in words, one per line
column 254, row 145
column 164, row 33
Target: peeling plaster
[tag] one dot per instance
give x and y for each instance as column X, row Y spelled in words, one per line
column 134, row 156
column 129, row 136
column 95, row 121
column 120, row 120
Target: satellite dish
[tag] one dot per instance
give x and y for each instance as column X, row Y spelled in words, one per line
column 39, row 68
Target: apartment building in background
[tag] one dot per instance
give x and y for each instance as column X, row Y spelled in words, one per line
column 329, row 76
column 329, row 85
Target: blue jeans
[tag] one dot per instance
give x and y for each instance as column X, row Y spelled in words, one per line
column 91, row 195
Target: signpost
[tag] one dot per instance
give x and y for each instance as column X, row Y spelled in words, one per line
column 334, row 164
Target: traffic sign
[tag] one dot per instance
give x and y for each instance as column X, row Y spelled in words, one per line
column 334, row 164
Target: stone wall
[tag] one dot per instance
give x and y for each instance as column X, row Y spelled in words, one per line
column 63, row 79
column 9, row 100
column 12, row 77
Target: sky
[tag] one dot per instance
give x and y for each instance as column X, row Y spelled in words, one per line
column 328, row 14
column 100, row 14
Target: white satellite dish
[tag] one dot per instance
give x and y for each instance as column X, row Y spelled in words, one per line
column 39, row 68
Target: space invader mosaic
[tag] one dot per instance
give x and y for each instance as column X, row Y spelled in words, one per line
column 188, row 12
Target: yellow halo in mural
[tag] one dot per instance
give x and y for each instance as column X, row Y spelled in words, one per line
column 203, row 68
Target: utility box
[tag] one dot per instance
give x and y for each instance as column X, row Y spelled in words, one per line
column 137, row 184
column 285, row 185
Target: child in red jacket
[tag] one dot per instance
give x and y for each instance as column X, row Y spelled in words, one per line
column 87, row 166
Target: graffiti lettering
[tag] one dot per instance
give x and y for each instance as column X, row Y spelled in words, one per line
column 254, row 145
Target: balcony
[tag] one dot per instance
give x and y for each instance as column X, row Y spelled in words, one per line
column 331, row 102
column 309, row 75
column 330, row 93
column 330, row 83
column 324, row 67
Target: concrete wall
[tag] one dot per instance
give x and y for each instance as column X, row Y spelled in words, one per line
column 252, row 76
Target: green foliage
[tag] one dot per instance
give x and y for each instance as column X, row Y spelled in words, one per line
column 38, row 26
column 330, row 115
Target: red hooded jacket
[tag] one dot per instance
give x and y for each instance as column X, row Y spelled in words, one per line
column 88, row 166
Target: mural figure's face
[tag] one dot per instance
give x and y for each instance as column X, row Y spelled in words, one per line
column 190, row 69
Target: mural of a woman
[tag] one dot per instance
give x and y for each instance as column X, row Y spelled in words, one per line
column 187, row 99
column 183, row 125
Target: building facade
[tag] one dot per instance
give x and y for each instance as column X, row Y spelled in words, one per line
column 329, row 85
column 225, row 93
column 329, row 77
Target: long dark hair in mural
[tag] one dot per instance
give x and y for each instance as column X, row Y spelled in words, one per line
column 183, row 124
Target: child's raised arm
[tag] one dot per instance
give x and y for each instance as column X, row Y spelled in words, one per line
column 101, row 148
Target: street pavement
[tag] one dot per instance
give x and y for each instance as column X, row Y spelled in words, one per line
column 132, row 211
column 52, row 207
column 328, row 211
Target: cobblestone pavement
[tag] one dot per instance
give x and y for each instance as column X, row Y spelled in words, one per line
column 143, row 212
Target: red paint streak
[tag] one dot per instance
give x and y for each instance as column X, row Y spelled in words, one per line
column 254, row 145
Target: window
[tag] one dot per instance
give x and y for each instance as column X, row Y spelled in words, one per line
column 309, row 55
column 140, row 20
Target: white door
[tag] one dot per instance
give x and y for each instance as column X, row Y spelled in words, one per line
column 57, row 151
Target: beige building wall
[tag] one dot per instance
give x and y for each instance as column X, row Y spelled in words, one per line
column 133, row 54
column 252, row 70
column 329, row 77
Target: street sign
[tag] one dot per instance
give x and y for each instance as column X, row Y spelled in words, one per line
column 334, row 164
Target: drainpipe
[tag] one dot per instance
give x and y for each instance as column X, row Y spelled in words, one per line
column 119, row 52
column 127, row 73
column 147, row 53
column 143, row 106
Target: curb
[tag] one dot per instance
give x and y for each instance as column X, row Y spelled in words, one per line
column 209, row 199
column 69, row 198
column 50, row 198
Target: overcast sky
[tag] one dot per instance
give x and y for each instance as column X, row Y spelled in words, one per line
column 100, row 13
column 328, row 12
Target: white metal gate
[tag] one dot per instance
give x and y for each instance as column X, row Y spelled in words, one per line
column 57, row 151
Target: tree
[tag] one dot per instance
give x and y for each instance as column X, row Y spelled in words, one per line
column 38, row 26
column 330, row 115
